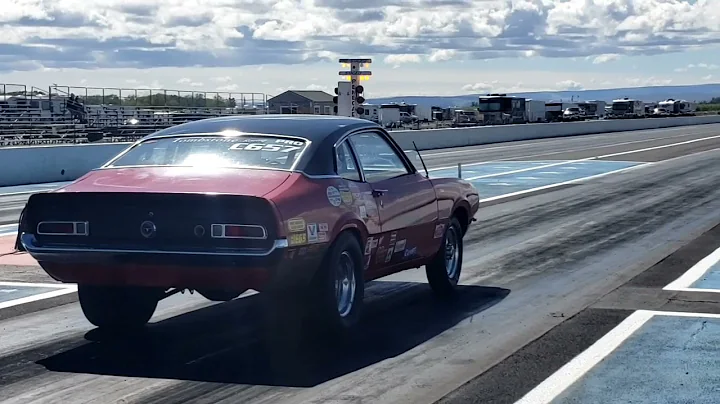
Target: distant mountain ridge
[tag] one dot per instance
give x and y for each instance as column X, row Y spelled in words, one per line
column 697, row 93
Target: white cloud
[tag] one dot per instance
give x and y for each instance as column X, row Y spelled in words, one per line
column 606, row 58
column 400, row 59
column 441, row 55
column 706, row 66
column 227, row 33
column 477, row 87
column 569, row 85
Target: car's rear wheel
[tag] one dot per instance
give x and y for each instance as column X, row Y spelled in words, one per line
column 118, row 308
column 338, row 288
column 443, row 272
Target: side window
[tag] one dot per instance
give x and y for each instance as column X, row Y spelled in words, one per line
column 377, row 159
column 345, row 163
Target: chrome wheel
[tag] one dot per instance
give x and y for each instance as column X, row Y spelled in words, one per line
column 452, row 252
column 345, row 284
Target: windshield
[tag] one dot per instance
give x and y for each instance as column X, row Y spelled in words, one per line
column 263, row 151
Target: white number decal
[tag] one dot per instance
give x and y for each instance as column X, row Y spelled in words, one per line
column 272, row 147
column 264, row 147
column 254, row 146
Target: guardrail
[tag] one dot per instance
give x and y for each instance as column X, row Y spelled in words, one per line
column 40, row 164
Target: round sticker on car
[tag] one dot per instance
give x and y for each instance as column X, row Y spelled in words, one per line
column 333, row 196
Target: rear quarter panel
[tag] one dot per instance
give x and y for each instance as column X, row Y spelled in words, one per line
column 312, row 214
column 453, row 193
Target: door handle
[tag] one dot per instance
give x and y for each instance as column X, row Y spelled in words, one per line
column 378, row 192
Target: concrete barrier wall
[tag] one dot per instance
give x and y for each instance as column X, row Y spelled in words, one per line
column 39, row 164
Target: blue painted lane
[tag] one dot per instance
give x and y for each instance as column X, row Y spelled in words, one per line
column 32, row 188
column 669, row 359
column 505, row 180
column 10, row 293
column 709, row 280
column 489, row 168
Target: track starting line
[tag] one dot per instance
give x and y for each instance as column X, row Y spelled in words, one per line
column 650, row 357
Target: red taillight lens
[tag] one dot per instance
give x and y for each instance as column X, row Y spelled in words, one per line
column 58, row 228
column 238, row 231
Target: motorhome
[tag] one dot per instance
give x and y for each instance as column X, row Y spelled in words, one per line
column 678, row 107
column 625, row 108
column 501, row 109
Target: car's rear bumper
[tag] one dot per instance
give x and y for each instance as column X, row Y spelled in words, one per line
column 240, row 269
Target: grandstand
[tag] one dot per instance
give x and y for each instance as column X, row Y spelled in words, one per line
column 65, row 114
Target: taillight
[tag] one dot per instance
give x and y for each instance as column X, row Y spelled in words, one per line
column 244, row 231
column 58, row 228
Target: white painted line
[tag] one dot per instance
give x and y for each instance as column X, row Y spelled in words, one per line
column 477, row 148
column 28, row 299
column 464, row 165
column 559, row 381
column 41, row 285
column 8, row 226
column 553, row 386
column 693, row 274
column 494, row 198
column 568, row 162
column 658, row 147
column 521, row 170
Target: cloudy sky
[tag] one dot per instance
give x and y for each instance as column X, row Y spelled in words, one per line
column 419, row 47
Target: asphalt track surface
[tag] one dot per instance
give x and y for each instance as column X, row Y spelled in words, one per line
column 549, row 271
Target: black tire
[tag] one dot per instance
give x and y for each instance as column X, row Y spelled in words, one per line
column 325, row 307
column 294, row 316
column 443, row 281
column 118, row 308
column 220, row 295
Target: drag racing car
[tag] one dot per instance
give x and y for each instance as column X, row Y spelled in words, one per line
column 308, row 207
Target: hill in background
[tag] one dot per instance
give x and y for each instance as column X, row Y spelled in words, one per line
column 697, row 93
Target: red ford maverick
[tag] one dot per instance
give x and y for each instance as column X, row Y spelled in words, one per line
column 305, row 206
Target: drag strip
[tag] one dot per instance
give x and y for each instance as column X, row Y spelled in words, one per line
column 545, row 276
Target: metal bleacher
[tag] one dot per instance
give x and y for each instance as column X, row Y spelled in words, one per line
column 63, row 114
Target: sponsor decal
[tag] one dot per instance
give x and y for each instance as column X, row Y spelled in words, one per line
column 312, row 232
column 363, row 212
column 393, row 237
column 439, row 230
column 410, row 252
column 322, row 237
column 374, row 243
column 296, row 224
column 297, row 239
column 346, row 196
column 323, row 227
column 291, row 254
column 388, row 255
column 400, row 245
column 368, row 245
column 333, row 196
column 380, row 255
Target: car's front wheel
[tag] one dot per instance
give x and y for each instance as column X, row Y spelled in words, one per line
column 117, row 307
column 443, row 272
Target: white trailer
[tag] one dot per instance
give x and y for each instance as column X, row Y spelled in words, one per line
column 423, row 113
column 678, row 107
column 627, row 108
column 389, row 115
column 535, row 111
